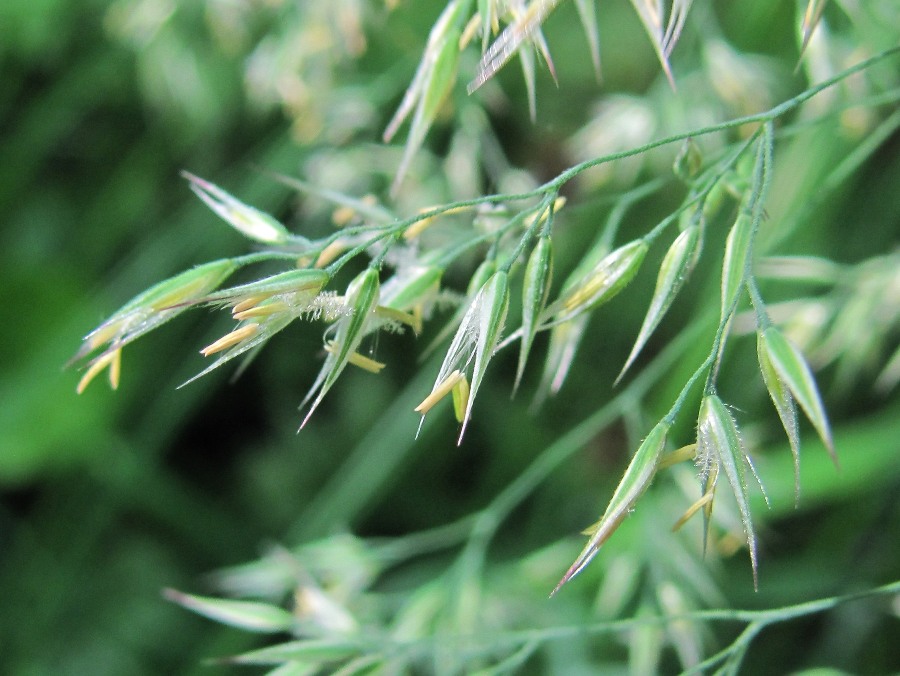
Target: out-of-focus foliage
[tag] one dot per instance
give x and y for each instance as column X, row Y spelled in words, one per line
column 397, row 552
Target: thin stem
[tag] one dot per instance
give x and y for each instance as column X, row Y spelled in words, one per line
column 554, row 185
column 757, row 620
column 759, row 307
column 263, row 257
column 767, row 116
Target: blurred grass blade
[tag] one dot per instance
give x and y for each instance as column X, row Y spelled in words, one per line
column 540, row 44
column 373, row 212
column 650, row 13
column 248, row 615
column 686, row 636
column 784, row 404
column 634, row 482
column 890, row 375
column 526, row 58
column 587, row 13
column 791, row 367
column 293, row 669
column 645, row 641
column 489, row 21
column 673, row 272
column 677, row 17
column 431, row 84
column 719, row 443
column 313, row 650
column 503, row 48
column 437, row 85
column 564, row 341
column 811, row 18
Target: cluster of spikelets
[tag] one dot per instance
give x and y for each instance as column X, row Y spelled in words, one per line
column 263, row 307
column 719, row 450
column 375, row 301
column 522, row 36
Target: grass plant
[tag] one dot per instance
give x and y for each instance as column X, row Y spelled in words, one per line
column 630, row 234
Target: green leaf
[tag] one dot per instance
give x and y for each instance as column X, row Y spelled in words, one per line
column 719, row 444
column 637, row 478
column 791, row 367
column 784, row 405
column 535, row 289
column 248, row 615
column 588, row 15
column 564, row 341
column 734, row 264
column 526, row 58
column 673, row 272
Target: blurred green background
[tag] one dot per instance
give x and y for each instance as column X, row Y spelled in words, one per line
column 107, row 498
